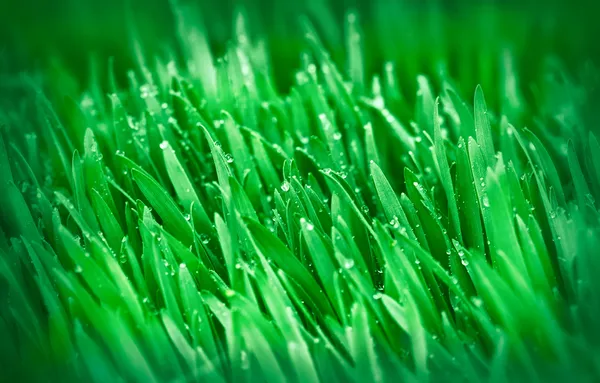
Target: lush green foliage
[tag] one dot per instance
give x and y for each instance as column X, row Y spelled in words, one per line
column 199, row 224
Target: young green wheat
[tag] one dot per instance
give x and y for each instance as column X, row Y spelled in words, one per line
column 375, row 222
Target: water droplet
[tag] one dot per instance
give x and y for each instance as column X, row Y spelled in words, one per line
column 348, row 263
column 285, row 186
column 164, row 144
column 228, row 158
column 337, row 136
column 78, row 269
column 204, row 238
column 485, row 200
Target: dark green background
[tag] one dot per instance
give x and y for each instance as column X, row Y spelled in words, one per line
column 35, row 33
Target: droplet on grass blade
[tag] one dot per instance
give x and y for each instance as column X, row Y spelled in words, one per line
column 204, row 238
column 477, row 301
column 485, row 200
column 309, row 226
column 348, row 263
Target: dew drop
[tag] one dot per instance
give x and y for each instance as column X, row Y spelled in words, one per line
column 485, row 200
column 348, row 263
column 204, row 238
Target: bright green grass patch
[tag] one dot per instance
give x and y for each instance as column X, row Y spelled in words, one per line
column 198, row 224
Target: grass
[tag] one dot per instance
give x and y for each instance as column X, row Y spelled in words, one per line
column 198, row 223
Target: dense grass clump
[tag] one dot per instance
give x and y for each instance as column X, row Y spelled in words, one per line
column 380, row 220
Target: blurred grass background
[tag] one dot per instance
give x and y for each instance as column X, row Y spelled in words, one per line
column 41, row 34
